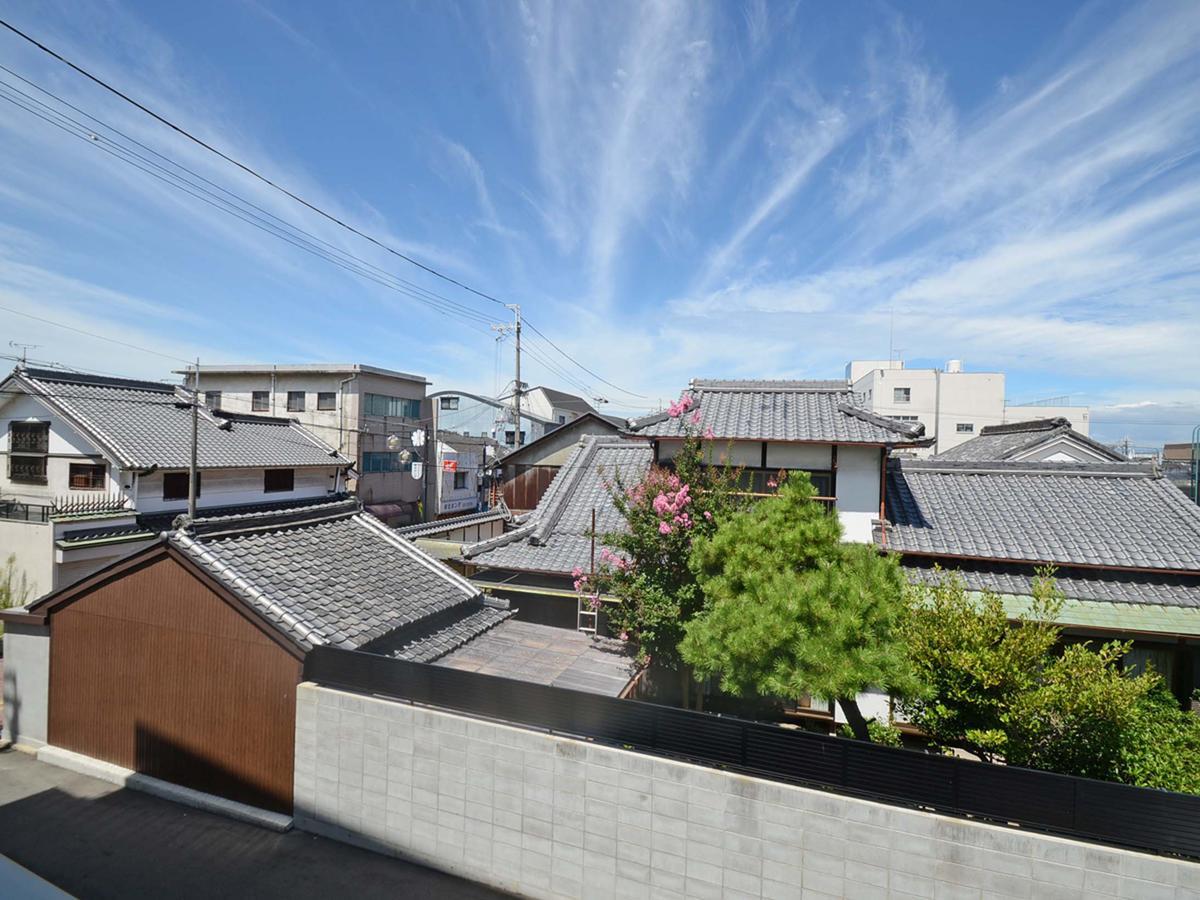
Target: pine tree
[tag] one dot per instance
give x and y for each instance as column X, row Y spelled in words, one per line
column 791, row 610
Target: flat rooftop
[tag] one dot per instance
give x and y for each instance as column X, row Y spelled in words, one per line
column 543, row 654
column 304, row 369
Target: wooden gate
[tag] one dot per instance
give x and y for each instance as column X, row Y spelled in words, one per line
column 156, row 671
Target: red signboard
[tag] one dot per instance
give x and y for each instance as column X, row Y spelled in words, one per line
column 449, row 465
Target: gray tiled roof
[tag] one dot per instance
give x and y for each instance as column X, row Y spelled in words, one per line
column 143, row 423
column 1116, row 514
column 422, row 529
column 150, row 524
column 555, row 537
column 826, row 411
column 324, row 575
column 438, row 635
column 1017, row 438
column 1143, row 588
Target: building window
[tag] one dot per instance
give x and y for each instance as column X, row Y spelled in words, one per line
column 212, row 399
column 392, row 407
column 904, row 418
column 965, row 427
column 88, row 476
column 295, row 401
column 374, row 461
column 460, row 481
column 28, row 444
column 326, row 400
column 562, row 420
column 901, row 395
column 260, row 401
column 510, row 437
column 448, row 402
column 278, row 480
column 175, row 485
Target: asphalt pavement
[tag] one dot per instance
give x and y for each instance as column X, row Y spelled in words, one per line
column 95, row 840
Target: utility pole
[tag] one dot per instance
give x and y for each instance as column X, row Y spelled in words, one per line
column 195, row 442
column 516, row 329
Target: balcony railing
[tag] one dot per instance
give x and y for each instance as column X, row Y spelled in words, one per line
column 25, row 512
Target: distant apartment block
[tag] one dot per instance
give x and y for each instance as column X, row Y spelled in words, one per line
column 354, row 408
column 954, row 405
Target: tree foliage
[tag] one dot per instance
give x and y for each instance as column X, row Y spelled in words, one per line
column 791, row 610
column 645, row 566
column 14, row 586
column 1011, row 691
column 973, row 661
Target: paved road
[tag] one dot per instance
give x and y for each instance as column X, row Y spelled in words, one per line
column 95, row 840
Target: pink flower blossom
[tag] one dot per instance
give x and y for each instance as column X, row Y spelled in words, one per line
column 695, row 420
column 624, row 635
column 594, row 602
column 708, row 515
column 576, row 572
column 772, row 483
column 664, row 528
column 708, row 434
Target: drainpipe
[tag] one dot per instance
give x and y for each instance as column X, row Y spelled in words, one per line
column 342, row 412
column 883, row 453
column 273, row 386
column 937, row 410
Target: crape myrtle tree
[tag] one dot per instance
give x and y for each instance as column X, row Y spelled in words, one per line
column 645, row 566
column 789, row 609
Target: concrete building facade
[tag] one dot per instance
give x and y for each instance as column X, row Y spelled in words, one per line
column 354, row 408
column 954, row 405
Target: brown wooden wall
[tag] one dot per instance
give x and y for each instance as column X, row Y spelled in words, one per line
column 157, row 672
column 524, row 485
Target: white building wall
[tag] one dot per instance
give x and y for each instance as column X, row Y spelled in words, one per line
column 26, row 683
column 66, row 446
column 544, row 816
column 32, row 543
column 233, row 487
column 858, row 491
column 1078, row 416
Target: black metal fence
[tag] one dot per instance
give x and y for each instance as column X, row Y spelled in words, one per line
column 25, row 512
column 1159, row 821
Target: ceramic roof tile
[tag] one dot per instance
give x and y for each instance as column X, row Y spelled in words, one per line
column 1116, row 514
column 143, row 424
column 826, row 411
column 329, row 575
column 1008, row 441
column 1121, row 589
column 555, row 538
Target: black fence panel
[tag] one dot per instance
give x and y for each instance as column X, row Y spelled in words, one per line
column 1159, row 821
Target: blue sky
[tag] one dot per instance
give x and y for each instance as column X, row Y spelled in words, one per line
column 669, row 190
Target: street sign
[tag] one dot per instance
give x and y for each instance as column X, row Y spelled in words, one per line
column 449, row 465
column 418, row 470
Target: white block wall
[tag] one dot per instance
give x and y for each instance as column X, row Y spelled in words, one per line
column 545, row 816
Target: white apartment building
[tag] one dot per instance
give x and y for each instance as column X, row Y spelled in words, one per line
column 354, row 408
column 954, row 405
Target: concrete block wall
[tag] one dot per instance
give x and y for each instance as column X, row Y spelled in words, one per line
column 546, row 816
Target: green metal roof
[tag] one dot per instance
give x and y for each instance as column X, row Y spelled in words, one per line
column 1110, row 616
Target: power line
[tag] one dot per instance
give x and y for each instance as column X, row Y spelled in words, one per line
column 357, row 266
column 245, row 168
column 265, row 180
column 90, row 334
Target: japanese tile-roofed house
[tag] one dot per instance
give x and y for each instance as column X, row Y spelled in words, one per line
column 820, row 427
column 1124, row 543
column 92, row 459
column 181, row 659
column 529, row 470
column 1044, row 440
column 533, row 562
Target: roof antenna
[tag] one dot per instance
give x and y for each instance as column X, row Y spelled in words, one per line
column 24, row 348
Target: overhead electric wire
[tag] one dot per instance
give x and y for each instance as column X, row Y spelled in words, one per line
column 358, row 267
column 92, row 334
column 314, row 208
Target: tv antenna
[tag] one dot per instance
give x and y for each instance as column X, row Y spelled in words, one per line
column 24, row 348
